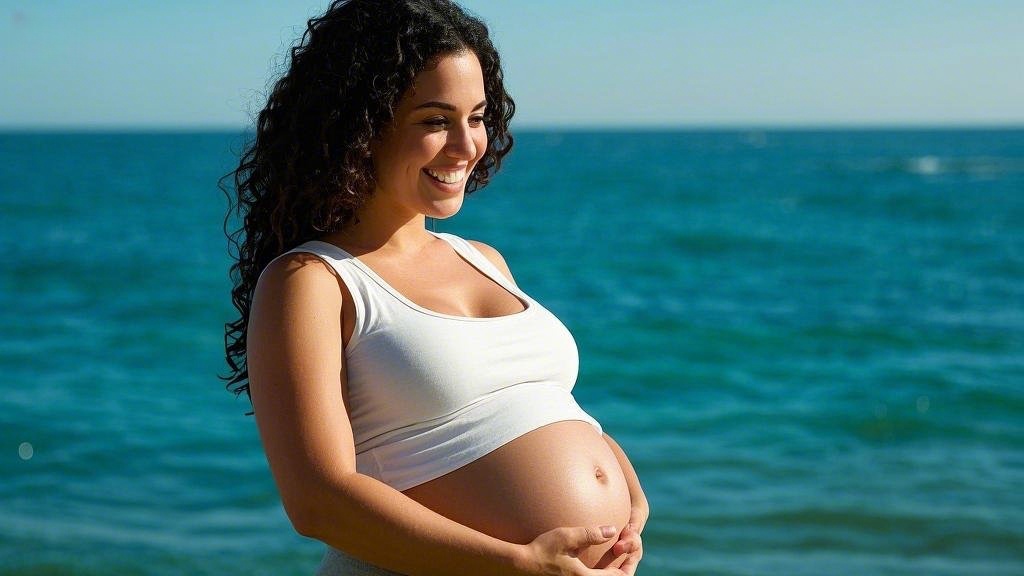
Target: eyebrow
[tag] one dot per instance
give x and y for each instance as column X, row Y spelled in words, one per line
column 447, row 106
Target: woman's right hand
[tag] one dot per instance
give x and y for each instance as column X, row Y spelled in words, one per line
column 555, row 552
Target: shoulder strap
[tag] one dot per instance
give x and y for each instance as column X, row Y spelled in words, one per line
column 478, row 259
column 339, row 261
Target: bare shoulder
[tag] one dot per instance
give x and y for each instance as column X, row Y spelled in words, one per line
column 297, row 276
column 289, row 263
column 294, row 355
column 494, row 256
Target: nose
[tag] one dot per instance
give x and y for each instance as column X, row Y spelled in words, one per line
column 460, row 143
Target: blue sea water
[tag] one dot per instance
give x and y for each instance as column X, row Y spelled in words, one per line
column 810, row 343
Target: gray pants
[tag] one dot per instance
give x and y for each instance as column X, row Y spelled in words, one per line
column 337, row 563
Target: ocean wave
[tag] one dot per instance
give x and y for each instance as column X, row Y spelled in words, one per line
column 930, row 165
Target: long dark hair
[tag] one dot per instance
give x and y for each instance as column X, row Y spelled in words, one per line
column 308, row 169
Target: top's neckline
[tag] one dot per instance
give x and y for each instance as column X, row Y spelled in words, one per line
column 528, row 305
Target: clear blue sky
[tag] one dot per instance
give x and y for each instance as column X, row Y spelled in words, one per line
column 186, row 63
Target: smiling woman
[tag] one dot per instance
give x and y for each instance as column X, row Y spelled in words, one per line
column 414, row 403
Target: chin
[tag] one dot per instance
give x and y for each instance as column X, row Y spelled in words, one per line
column 443, row 210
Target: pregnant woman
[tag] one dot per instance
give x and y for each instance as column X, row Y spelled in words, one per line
column 414, row 403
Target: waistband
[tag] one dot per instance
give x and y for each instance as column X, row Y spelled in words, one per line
column 337, row 563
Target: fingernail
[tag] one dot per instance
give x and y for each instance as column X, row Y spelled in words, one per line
column 608, row 531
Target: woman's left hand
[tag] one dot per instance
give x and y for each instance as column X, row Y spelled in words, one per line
column 629, row 543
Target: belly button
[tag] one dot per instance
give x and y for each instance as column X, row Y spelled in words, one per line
column 599, row 474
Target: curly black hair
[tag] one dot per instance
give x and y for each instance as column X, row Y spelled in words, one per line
column 308, row 169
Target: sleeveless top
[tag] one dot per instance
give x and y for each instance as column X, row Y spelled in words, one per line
column 431, row 392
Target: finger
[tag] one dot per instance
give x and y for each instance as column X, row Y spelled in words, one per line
column 581, row 569
column 618, row 561
column 589, row 536
column 628, row 541
column 605, row 572
column 629, row 566
column 608, row 559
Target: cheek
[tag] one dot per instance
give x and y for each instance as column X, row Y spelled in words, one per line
column 401, row 161
column 423, row 150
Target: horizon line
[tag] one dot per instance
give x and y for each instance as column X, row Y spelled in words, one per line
column 547, row 128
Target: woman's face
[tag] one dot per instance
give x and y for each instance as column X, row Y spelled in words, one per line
column 437, row 138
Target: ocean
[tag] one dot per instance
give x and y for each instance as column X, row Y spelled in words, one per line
column 809, row 342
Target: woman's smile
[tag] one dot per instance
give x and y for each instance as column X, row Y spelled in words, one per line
column 450, row 182
column 448, row 176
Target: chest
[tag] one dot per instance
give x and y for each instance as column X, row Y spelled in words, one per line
column 412, row 367
column 444, row 282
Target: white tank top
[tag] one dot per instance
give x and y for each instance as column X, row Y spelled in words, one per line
column 431, row 392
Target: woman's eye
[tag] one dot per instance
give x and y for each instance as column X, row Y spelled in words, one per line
column 443, row 122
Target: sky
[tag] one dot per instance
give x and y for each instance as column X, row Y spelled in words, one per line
column 192, row 64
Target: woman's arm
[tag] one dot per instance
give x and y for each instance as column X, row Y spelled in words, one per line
column 296, row 379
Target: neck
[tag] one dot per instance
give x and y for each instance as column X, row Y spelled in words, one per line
column 383, row 227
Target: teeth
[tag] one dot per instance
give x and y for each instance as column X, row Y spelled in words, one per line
column 448, row 177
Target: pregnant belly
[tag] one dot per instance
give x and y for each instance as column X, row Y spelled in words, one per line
column 562, row 474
